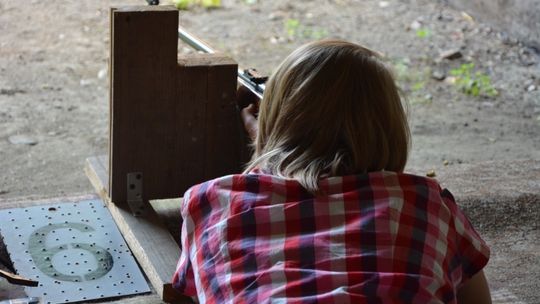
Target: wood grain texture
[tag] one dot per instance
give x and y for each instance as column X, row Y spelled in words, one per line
column 174, row 120
column 143, row 91
column 191, row 112
column 224, row 132
column 148, row 238
column 168, row 211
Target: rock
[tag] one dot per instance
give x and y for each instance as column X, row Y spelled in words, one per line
column 527, row 56
column 2, row 191
column 277, row 15
column 531, row 88
column 438, row 75
column 507, row 39
column 277, row 39
column 102, row 74
column 431, row 173
column 85, row 82
column 22, row 140
column 11, row 92
column 415, row 25
column 444, row 16
column 451, row 54
column 384, row 4
column 467, row 17
column 450, row 80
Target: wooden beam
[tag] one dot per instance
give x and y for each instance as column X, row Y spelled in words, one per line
column 149, row 240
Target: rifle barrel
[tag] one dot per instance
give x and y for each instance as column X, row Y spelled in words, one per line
column 194, row 42
column 199, row 45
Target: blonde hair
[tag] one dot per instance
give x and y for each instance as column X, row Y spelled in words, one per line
column 331, row 108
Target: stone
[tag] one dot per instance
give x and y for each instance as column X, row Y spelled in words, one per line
column 22, row 140
column 451, row 54
column 102, row 74
column 438, row 75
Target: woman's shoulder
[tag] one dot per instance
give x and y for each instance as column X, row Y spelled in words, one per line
column 250, row 182
column 381, row 183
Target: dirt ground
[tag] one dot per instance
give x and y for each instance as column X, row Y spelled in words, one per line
column 54, row 81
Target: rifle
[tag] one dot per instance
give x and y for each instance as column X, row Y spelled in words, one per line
column 248, row 79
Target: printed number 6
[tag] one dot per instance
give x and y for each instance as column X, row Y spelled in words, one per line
column 43, row 256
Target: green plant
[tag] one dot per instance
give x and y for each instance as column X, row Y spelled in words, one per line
column 412, row 79
column 475, row 83
column 291, row 26
column 419, row 85
column 295, row 29
column 423, row 32
column 184, row 4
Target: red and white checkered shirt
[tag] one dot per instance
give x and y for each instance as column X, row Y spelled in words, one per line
column 381, row 237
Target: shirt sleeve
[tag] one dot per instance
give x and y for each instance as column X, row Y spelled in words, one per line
column 183, row 279
column 472, row 251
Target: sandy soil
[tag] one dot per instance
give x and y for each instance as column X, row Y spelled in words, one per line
column 54, row 85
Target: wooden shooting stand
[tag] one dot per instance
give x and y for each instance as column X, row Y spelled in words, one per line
column 173, row 124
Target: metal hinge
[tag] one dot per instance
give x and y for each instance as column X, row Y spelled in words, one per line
column 134, row 193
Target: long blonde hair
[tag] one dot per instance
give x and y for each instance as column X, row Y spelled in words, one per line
column 331, row 108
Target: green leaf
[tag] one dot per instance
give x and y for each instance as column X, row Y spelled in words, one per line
column 182, row 4
column 211, row 3
column 423, row 32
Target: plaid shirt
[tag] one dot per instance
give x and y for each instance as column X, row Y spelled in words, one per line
column 381, row 237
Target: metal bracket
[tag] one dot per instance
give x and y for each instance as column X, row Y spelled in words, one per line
column 134, row 193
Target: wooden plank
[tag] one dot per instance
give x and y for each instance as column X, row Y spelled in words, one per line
column 224, row 132
column 143, row 69
column 168, row 211
column 175, row 122
column 191, row 113
column 149, row 240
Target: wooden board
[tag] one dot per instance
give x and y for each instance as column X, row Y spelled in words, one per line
column 175, row 121
column 143, row 64
column 148, row 238
column 224, row 131
column 168, row 211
